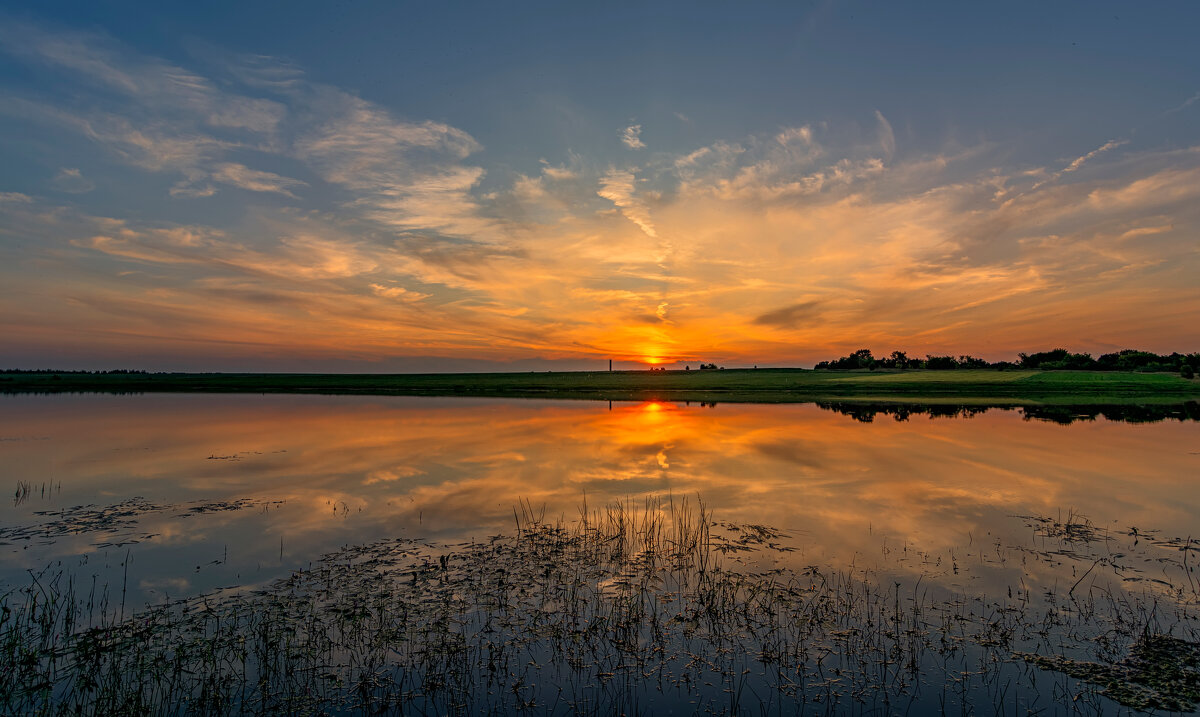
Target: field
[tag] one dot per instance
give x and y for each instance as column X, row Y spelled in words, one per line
column 743, row 385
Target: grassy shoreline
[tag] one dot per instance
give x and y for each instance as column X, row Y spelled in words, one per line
column 732, row 385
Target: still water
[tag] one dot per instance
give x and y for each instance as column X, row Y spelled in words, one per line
column 172, row 496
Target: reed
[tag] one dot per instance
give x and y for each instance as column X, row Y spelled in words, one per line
column 637, row 606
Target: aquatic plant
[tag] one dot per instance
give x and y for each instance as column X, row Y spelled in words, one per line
column 632, row 607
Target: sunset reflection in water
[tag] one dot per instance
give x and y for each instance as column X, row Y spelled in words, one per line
column 357, row 469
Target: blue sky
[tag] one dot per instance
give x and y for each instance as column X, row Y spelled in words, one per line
column 419, row 186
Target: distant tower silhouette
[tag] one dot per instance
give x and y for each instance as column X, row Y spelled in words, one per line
column 610, row 364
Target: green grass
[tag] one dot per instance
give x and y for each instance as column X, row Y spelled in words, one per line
column 745, row 385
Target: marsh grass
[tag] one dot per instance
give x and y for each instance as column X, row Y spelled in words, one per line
column 633, row 607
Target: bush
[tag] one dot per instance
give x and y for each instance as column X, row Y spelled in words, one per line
column 1186, row 371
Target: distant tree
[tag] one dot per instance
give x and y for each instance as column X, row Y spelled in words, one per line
column 1107, row 362
column 1056, row 359
column 940, row 363
column 1035, row 360
column 1133, row 360
column 861, row 358
column 1186, row 371
column 1070, row 362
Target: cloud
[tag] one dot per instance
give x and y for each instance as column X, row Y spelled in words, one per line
column 561, row 173
column 631, row 137
column 388, row 475
column 398, row 292
column 1079, row 161
column 158, row 87
column 15, row 198
column 241, row 176
column 404, row 175
column 259, row 71
column 187, row 188
column 790, row 164
column 877, row 267
column 72, row 181
column 887, row 138
column 617, row 186
column 1155, row 190
column 1185, row 104
column 789, row 317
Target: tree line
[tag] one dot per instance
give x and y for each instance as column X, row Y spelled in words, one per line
column 1056, row 359
column 74, row 371
column 1188, row 411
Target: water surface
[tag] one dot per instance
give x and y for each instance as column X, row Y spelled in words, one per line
column 157, row 497
column 321, row 472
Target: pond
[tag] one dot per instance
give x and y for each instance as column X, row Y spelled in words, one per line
column 340, row 553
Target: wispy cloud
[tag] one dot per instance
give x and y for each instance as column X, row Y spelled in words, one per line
column 241, row 176
column 398, row 292
column 1185, row 104
column 1079, row 161
column 887, row 138
column 404, row 175
column 631, row 137
column 619, row 187
column 72, row 181
column 792, row 316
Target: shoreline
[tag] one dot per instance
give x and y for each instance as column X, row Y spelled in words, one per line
column 989, row 386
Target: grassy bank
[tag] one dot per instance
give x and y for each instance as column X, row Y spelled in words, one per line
column 746, row 385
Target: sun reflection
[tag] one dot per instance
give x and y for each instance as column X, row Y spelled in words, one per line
column 428, row 465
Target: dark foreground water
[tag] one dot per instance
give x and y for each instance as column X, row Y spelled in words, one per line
column 338, row 554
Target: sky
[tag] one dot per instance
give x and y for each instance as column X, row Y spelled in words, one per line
column 547, row 186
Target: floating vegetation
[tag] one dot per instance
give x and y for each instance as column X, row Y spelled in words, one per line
column 1161, row 672
column 631, row 608
column 117, row 522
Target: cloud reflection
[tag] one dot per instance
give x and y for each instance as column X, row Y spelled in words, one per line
column 359, row 469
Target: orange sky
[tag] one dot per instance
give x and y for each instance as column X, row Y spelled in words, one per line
column 232, row 212
column 747, row 274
